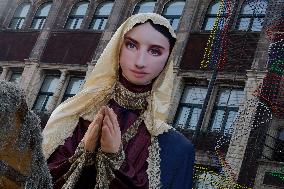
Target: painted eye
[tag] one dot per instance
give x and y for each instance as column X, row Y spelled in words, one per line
column 130, row 45
column 155, row 52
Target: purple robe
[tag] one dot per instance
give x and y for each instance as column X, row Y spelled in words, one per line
column 177, row 154
column 132, row 173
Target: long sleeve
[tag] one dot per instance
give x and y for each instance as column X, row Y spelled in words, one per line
column 184, row 173
column 177, row 160
column 58, row 162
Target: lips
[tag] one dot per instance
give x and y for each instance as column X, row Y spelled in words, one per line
column 138, row 74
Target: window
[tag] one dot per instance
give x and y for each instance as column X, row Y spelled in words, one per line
column 19, row 16
column 190, row 107
column 16, row 77
column 76, row 16
column 173, row 11
column 40, row 16
column 73, row 87
column 252, row 15
column 206, row 180
column 279, row 147
column 46, row 92
column 144, row 7
column 101, row 16
column 225, row 110
column 216, row 11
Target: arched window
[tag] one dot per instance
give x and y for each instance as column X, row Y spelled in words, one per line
column 173, row 11
column 252, row 15
column 144, row 6
column 101, row 16
column 41, row 15
column 20, row 16
column 216, row 11
column 76, row 16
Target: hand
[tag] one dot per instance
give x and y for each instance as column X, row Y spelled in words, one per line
column 111, row 134
column 92, row 135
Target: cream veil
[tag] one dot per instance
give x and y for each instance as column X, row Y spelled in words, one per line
column 99, row 86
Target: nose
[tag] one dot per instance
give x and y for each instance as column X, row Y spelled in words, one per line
column 140, row 61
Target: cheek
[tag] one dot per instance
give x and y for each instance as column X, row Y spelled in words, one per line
column 158, row 66
column 125, row 57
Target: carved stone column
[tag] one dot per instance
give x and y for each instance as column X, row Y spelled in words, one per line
column 57, row 92
column 4, row 73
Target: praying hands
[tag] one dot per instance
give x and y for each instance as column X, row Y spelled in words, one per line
column 105, row 128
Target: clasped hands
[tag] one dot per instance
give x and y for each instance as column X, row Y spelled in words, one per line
column 105, row 128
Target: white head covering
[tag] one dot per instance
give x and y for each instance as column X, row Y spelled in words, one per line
column 99, row 86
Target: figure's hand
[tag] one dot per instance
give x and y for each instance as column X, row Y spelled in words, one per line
column 93, row 133
column 111, row 135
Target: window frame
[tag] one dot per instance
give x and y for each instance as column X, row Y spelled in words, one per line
column 138, row 6
column 64, row 95
column 171, row 18
column 19, row 18
column 100, row 17
column 41, row 18
column 215, row 16
column 277, row 156
column 251, row 17
column 15, row 73
column 47, row 94
column 226, row 110
column 188, row 105
column 72, row 17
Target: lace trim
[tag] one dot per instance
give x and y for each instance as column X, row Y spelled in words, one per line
column 128, row 99
column 106, row 164
column 132, row 131
column 154, row 160
column 78, row 161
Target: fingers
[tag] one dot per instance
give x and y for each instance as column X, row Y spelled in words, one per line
column 105, row 134
column 113, row 117
column 108, row 123
column 116, row 127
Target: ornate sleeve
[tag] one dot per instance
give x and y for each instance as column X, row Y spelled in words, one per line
column 78, row 161
column 106, row 164
column 60, row 161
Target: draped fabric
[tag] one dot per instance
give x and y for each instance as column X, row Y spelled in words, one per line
column 133, row 171
column 155, row 157
column 100, row 84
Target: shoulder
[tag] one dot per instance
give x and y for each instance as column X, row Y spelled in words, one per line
column 175, row 141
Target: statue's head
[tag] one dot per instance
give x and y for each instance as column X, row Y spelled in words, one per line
column 20, row 141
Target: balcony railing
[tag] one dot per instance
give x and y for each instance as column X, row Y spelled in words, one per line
column 70, row 47
column 16, row 45
column 239, row 51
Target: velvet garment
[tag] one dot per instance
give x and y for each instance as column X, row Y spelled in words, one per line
column 132, row 173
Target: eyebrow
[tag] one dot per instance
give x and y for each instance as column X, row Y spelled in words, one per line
column 136, row 42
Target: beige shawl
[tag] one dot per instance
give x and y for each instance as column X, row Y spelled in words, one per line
column 98, row 88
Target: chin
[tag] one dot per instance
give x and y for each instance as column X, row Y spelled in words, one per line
column 139, row 82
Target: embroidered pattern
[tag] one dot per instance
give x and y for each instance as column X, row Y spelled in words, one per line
column 106, row 163
column 128, row 99
column 154, row 160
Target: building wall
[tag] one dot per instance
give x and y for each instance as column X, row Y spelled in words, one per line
column 48, row 53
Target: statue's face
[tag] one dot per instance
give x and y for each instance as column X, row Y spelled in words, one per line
column 143, row 54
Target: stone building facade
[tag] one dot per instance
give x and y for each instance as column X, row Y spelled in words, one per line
column 50, row 47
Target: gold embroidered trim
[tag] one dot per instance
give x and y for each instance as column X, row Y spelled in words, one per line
column 106, row 164
column 128, row 99
column 132, row 130
column 154, row 160
column 78, row 162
